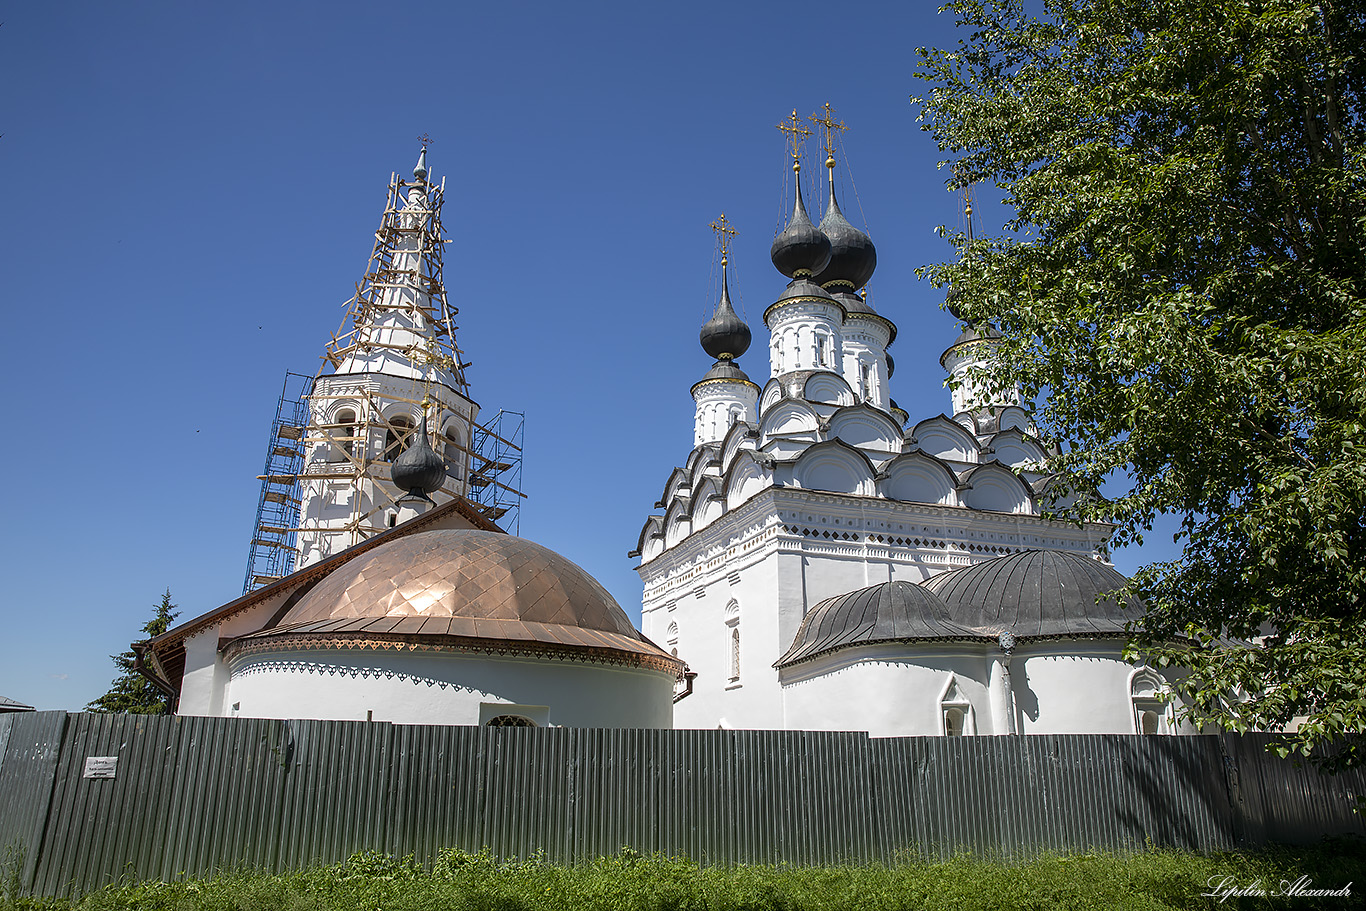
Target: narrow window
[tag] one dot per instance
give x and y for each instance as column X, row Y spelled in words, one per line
column 345, row 435
column 955, row 712
column 397, row 437
column 732, row 619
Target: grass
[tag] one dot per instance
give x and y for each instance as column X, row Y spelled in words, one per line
column 460, row 880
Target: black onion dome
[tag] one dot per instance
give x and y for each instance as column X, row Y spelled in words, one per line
column 1038, row 593
column 853, row 258
column 801, row 249
column 953, row 303
column 725, row 335
column 888, row 612
column 418, row 469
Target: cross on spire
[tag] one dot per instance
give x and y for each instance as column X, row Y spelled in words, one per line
column 796, row 135
column 724, row 233
column 832, row 126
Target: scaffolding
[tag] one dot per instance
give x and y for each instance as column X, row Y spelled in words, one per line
column 273, row 539
column 496, row 472
column 393, row 357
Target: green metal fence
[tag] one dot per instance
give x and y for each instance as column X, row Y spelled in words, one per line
column 193, row 795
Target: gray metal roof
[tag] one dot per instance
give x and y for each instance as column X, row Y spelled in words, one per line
column 1037, row 593
column 887, row 612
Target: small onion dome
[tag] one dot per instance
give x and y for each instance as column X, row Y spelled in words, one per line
column 420, row 169
column 418, row 469
column 1038, row 593
column 900, row 413
column 852, row 254
column 888, row 612
column 725, row 335
column 801, row 250
column 953, row 301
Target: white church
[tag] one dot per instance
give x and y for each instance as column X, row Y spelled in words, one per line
column 820, row 565
column 815, row 564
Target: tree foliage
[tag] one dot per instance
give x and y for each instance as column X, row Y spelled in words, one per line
column 131, row 693
column 1181, row 293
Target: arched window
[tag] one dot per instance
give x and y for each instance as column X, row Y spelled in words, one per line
column 454, row 451
column 955, row 712
column 345, row 434
column 510, row 721
column 1152, row 714
column 397, row 437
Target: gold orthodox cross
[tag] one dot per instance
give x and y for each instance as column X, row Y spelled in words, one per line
column 796, row 134
column 832, row 126
column 724, row 233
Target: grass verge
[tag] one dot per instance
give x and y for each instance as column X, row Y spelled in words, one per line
column 460, row 880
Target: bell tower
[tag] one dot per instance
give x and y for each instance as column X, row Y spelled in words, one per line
column 391, row 372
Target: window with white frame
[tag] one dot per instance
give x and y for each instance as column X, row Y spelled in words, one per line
column 955, row 711
column 1152, row 713
column 733, row 639
column 344, row 435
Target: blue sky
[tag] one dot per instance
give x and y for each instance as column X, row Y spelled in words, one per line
column 190, row 193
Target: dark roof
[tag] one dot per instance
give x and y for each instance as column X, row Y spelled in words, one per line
column 1037, row 593
column 725, row 370
column 801, row 289
column 887, row 612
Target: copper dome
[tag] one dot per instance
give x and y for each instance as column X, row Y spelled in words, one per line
column 459, row 584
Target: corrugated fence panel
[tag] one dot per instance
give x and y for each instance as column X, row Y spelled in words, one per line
column 1024, row 795
column 226, row 808
column 336, row 791
column 194, row 795
column 438, row 786
column 28, row 766
column 1287, row 802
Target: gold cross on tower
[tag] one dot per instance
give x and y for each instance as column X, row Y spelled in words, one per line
column 832, row 126
column 724, row 233
column 796, row 135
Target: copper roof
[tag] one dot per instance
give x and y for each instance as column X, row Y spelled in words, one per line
column 460, row 584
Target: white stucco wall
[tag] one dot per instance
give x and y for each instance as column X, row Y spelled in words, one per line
column 443, row 688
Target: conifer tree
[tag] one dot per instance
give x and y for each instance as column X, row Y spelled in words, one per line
column 131, row 693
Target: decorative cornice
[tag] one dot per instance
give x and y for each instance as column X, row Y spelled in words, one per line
column 239, row 649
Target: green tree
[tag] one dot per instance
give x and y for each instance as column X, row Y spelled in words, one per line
column 132, row 693
column 1181, row 293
